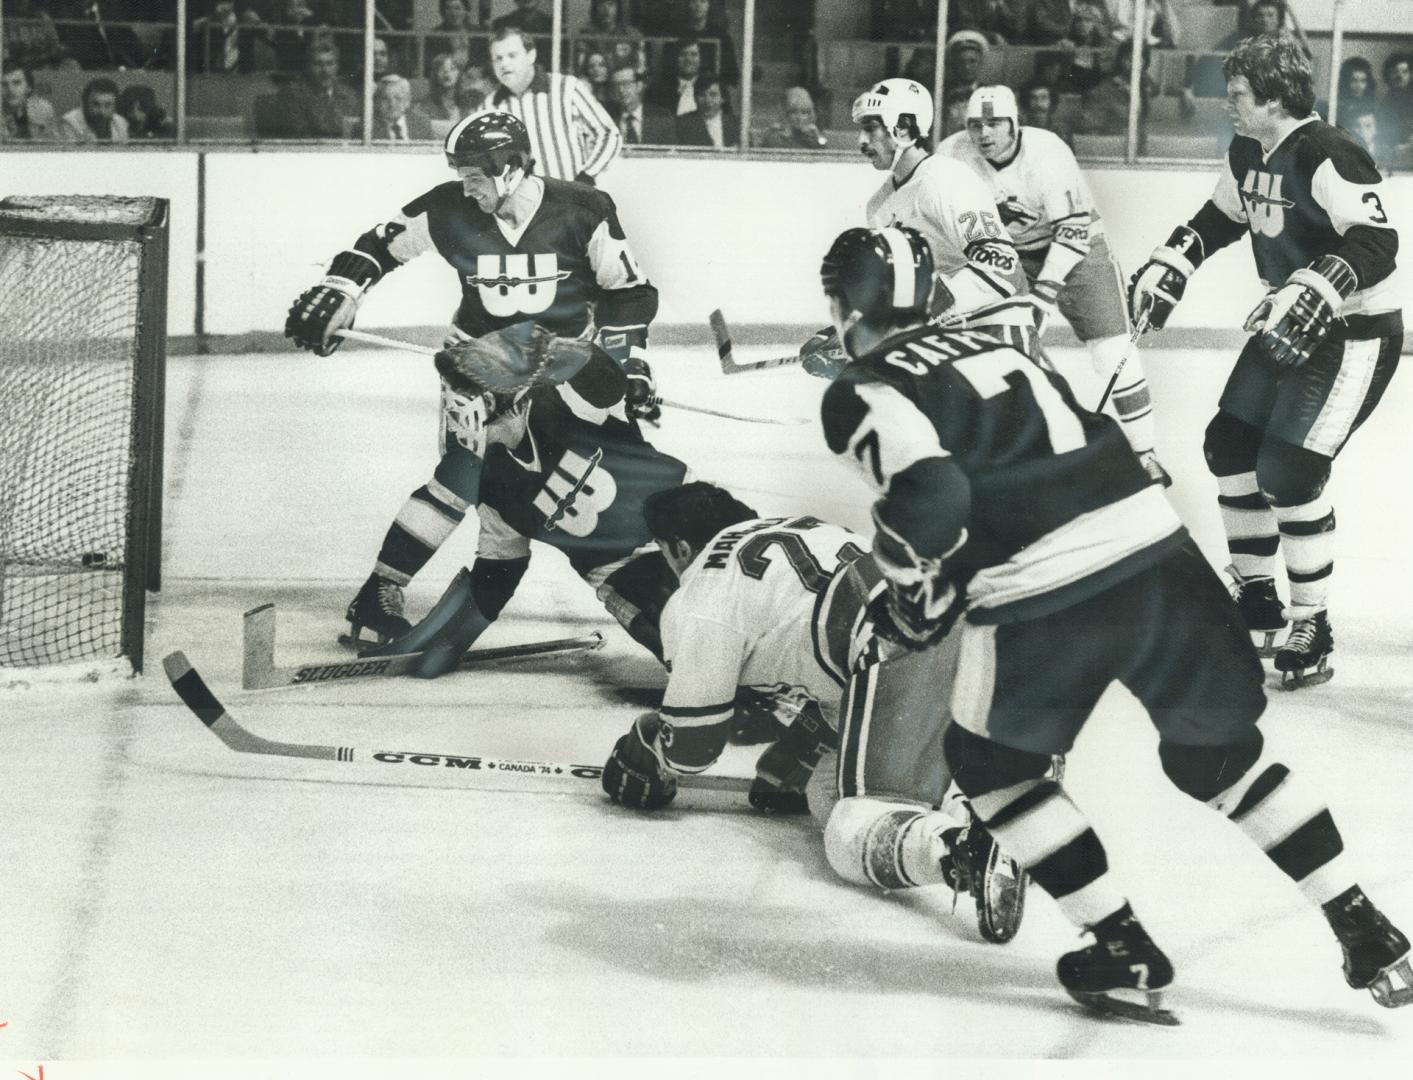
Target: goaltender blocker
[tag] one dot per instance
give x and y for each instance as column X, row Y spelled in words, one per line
column 523, row 248
column 1003, row 501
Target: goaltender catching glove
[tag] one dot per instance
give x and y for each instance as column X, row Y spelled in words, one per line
column 1293, row 320
column 637, row 773
column 784, row 770
column 1158, row 285
column 331, row 304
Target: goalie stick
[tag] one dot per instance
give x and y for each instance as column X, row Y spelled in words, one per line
column 197, row 697
column 666, row 403
column 260, row 673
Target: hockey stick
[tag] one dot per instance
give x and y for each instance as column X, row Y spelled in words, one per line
column 666, row 403
column 1140, row 326
column 729, row 366
column 260, row 673
column 197, row 696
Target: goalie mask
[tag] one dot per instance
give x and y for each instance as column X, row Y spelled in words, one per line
column 497, row 144
column 902, row 106
column 877, row 278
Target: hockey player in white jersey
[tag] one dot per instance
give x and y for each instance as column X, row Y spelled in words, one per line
column 977, row 265
column 784, row 603
column 1046, row 206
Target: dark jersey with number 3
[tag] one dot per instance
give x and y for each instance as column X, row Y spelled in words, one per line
column 571, row 263
column 575, row 484
column 1317, row 193
column 1057, row 507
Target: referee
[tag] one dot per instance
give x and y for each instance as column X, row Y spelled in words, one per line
column 571, row 136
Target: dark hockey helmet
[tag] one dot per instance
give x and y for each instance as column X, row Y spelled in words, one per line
column 491, row 142
column 885, row 275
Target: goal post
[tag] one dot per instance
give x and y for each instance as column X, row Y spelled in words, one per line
column 83, row 314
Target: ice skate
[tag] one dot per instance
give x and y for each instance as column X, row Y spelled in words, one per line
column 1154, row 468
column 1260, row 609
column 1375, row 951
column 758, row 717
column 1304, row 659
column 975, row 864
column 378, row 609
column 1122, row 974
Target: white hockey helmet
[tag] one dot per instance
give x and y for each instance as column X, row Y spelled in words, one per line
column 893, row 99
column 993, row 103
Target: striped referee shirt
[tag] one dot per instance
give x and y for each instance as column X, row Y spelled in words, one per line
column 570, row 133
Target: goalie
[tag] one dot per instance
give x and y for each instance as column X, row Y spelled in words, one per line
column 524, row 248
column 789, row 605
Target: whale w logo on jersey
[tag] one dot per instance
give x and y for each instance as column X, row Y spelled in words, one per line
column 516, row 284
column 1265, row 207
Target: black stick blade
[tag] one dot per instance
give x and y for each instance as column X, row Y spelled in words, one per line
column 192, row 689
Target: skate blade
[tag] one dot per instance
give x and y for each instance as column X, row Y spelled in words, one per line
column 1391, row 993
column 357, row 642
column 1148, row 1010
column 1295, row 680
column 1266, row 644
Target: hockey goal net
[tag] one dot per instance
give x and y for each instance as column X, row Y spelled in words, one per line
column 83, row 286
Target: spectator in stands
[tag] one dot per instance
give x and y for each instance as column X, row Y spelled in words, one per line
column 392, row 119
column 1077, row 63
column 473, row 87
column 24, row 115
column 999, row 21
column 382, row 61
column 922, row 66
column 965, row 51
column 453, row 34
column 800, row 129
column 676, row 90
column 1363, row 124
column 146, row 119
column 638, row 121
column 31, row 39
column 594, row 73
column 608, row 33
column 440, row 102
column 316, row 106
column 1104, row 110
column 1089, row 28
column 223, row 40
column 1265, row 17
column 713, row 37
column 95, row 120
column 529, row 15
column 1396, row 106
column 295, row 27
column 571, row 137
column 1047, row 22
column 1357, row 94
column 1039, row 104
column 712, row 123
column 903, row 20
column 1163, row 30
column 89, row 34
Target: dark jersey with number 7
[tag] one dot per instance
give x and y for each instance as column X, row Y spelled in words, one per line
column 1059, row 508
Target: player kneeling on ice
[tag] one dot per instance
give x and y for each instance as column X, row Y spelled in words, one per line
column 523, row 247
column 1325, row 341
column 559, row 464
column 783, row 603
column 1002, row 501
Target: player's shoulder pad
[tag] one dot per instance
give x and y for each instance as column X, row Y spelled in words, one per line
column 1244, row 153
column 843, row 410
column 1038, row 138
column 448, row 196
column 580, row 196
column 1321, row 142
column 951, row 145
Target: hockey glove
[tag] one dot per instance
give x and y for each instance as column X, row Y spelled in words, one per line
column 824, row 354
column 1046, row 294
column 331, row 304
column 637, row 773
column 921, row 603
column 784, row 770
column 1160, row 282
column 1293, row 320
column 640, row 399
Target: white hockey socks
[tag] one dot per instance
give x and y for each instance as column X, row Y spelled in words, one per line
column 1130, row 404
column 1307, row 536
column 1250, row 525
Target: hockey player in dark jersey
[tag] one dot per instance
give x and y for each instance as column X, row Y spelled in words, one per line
column 1005, row 505
column 524, row 248
column 563, row 467
column 1325, row 341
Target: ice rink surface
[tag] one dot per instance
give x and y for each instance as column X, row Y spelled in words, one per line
column 165, row 898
